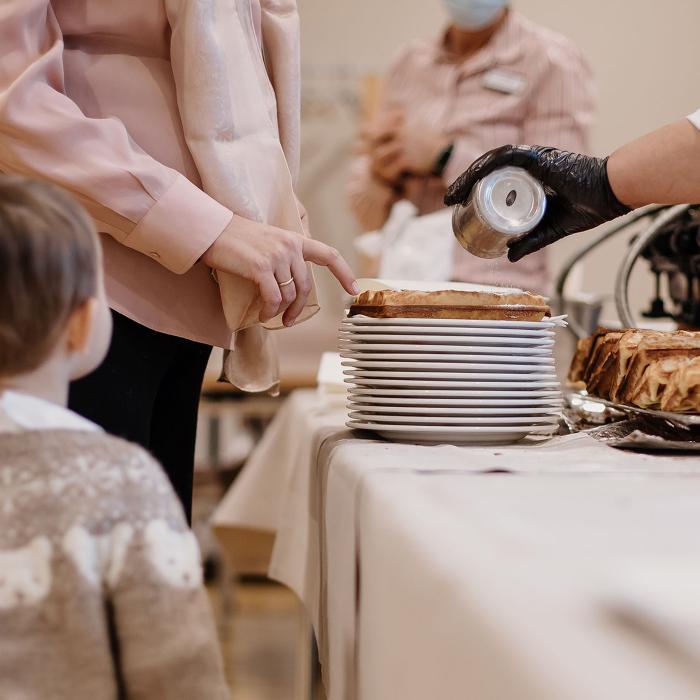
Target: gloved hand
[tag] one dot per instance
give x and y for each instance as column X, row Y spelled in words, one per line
column 579, row 196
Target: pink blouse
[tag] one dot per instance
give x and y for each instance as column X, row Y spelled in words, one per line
column 89, row 100
column 527, row 85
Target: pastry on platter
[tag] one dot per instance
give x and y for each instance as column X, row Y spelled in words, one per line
column 513, row 306
column 578, row 364
column 603, row 347
column 652, row 367
column 643, row 368
column 682, row 394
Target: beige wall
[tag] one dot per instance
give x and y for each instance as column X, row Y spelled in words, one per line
column 645, row 53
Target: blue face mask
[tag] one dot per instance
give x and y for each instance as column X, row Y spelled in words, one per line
column 474, row 14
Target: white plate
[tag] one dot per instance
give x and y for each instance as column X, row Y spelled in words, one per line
column 450, row 366
column 456, row 434
column 446, row 330
column 524, row 387
column 465, row 323
column 492, row 397
column 446, row 376
column 460, row 410
column 544, row 352
column 467, row 385
column 445, row 357
column 463, row 341
column 437, row 421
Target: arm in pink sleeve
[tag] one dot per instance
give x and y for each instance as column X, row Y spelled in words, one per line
column 370, row 199
column 466, row 149
column 148, row 206
column 562, row 104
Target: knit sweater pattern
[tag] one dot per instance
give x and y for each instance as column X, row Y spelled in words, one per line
column 100, row 579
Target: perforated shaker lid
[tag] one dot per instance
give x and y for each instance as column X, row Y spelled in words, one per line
column 510, row 200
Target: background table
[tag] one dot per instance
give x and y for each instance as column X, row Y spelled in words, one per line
column 481, row 572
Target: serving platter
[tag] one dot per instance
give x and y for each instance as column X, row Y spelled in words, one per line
column 687, row 420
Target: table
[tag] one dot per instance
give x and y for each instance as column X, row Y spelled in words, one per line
column 481, row 572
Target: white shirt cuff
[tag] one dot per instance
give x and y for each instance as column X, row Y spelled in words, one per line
column 694, row 119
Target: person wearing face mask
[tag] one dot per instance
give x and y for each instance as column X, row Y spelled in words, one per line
column 492, row 77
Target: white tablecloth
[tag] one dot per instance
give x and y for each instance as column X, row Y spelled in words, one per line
column 481, row 572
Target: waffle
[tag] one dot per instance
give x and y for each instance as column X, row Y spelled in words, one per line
column 643, row 368
column 512, row 306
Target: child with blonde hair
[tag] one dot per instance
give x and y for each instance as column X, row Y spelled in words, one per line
column 100, row 579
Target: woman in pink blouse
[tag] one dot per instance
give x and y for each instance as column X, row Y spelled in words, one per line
column 163, row 118
column 492, row 78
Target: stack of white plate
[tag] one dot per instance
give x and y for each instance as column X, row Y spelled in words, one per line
column 443, row 380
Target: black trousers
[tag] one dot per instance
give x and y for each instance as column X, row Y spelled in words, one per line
column 147, row 391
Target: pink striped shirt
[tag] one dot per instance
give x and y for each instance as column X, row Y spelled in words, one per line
column 551, row 105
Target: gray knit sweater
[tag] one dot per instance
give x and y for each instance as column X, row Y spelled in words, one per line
column 100, row 579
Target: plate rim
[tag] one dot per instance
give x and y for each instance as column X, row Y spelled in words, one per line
column 438, row 429
column 463, row 421
column 444, row 357
column 447, row 376
column 396, row 365
column 552, row 322
column 458, row 410
column 445, row 330
column 382, row 339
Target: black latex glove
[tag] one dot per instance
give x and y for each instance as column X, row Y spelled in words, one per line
column 579, row 196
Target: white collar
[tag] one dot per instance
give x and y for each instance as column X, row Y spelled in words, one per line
column 32, row 413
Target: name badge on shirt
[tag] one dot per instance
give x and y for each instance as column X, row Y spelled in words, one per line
column 504, row 81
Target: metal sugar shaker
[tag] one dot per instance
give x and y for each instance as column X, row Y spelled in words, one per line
column 506, row 203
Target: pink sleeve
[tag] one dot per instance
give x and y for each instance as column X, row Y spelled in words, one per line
column 370, row 199
column 466, row 149
column 562, row 103
column 151, row 208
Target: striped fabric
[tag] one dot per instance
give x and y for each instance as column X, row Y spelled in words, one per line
column 553, row 106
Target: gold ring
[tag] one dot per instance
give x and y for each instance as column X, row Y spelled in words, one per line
column 288, row 282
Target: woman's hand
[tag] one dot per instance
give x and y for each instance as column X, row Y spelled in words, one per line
column 269, row 257
column 579, row 195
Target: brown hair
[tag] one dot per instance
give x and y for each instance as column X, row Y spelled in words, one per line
column 48, row 269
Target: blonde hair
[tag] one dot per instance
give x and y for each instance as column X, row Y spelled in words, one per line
column 48, row 268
